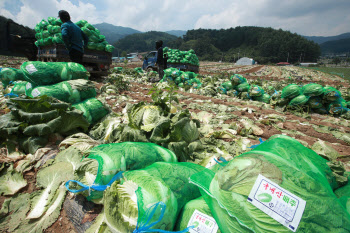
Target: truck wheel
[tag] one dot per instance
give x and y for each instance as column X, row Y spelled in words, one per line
column 149, row 69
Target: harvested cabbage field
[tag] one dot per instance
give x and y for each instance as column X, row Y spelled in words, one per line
column 123, row 154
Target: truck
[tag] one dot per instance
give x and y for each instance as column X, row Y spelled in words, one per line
column 151, row 59
column 95, row 61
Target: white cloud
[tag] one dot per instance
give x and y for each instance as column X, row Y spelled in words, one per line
column 321, row 17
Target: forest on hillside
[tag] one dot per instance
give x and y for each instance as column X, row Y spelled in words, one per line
column 265, row 45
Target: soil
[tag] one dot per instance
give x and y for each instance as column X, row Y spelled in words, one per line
column 61, row 225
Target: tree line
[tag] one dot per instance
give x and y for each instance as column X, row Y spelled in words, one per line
column 265, row 45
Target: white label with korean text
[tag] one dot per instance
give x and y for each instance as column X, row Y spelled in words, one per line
column 31, row 68
column 28, row 86
column 278, row 203
column 35, row 92
column 202, row 223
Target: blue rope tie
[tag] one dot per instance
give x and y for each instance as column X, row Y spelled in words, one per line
column 223, row 163
column 255, row 146
column 93, row 187
column 11, row 95
column 144, row 225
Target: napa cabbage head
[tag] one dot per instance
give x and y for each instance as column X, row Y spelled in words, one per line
column 127, row 200
column 144, row 116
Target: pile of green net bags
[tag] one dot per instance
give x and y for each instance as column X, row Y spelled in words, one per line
column 181, row 78
column 315, row 97
column 65, row 81
column 238, row 86
column 184, row 57
column 319, row 99
column 49, row 33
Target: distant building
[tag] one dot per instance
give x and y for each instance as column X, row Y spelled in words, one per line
column 133, row 57
column 245, row 61
column 118, row 59
column 283, row 64
column 307, row 64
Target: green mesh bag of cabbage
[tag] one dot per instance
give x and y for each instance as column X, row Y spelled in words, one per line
column 19, row 88
column 291, row 91
column 105, row 161
column 73, row 91
column 93, row 110
column 191, row 210
column 294, row 168
column 343, row 194
column 132, row 202
column 45, row 73
column 8, row 75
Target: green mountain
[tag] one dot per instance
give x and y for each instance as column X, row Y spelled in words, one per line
column 262, row 44
column 322, row 39
column 336, row 46
column 142, row 42
column 12, row 45
column 114, row 33
column 178, row 33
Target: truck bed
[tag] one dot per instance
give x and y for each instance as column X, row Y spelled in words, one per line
column 95, row 61
column 184, row 67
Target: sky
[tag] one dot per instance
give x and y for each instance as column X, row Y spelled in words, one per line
column 305, row 17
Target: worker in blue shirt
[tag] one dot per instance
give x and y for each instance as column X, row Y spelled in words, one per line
column 73, row 37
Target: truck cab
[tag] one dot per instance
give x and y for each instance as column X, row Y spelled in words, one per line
column 150, row 61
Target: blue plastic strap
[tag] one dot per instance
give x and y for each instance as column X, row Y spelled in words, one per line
column 94, row 187
column 11, row 95
column 255, row 146
column 144, row 225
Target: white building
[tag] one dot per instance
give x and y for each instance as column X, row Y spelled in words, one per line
column 245, row 61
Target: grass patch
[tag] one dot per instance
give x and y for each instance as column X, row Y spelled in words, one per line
column 342, row 72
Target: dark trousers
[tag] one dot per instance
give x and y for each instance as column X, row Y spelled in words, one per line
column 160, row 71
column 76, row 56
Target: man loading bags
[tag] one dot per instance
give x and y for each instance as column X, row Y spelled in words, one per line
column 73, row 37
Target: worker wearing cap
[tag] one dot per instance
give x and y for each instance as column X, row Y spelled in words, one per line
column 73, row 37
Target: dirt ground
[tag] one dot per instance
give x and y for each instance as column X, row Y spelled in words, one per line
column 296, row 126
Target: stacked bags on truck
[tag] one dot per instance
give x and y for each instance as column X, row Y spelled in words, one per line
column 65, row 81
column 183, row 57
column 49, row 33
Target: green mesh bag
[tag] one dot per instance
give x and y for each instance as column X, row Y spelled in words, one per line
column 93, row 110
column 343, row 194
column 142, row 194
column 72, row 70
column 8, row 75
column 330, row 94
column 43, row 24
column 243, row 87
column 293, row 167
column 73, row 91
column 102, row 38
column 109, row 48
column 94, row 39
column 19, row 88
column 256, row 91
column 263, row 98
column 106, row 161
column 90, row 27
column 100, row 47
column 312, row 89
column 87, row 31
column 227, row 85
column 291, row 91
column 299, row 100
column 81, row 23
column 237, row 79
column 46, row 73
column 315, row 102
column 92, row 45
column 184, row 218
column 337, row 107
column 54, row 29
